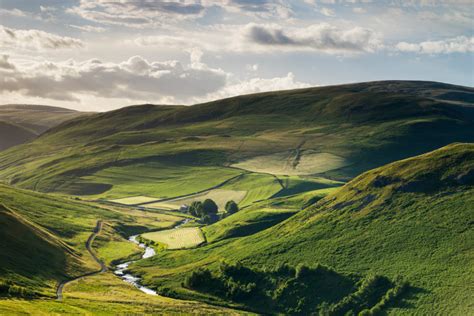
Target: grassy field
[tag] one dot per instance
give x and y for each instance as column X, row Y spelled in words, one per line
column 220, row 196
column 408, row 219
column 134, row 200
column 177, row 238
column 293, row 163
column 258, row 187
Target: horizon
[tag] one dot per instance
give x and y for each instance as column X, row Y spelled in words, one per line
column 224, row 98
column 100, row 56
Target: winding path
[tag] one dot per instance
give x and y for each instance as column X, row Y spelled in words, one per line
column 103, row 267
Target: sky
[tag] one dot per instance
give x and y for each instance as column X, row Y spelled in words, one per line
column 99, row 55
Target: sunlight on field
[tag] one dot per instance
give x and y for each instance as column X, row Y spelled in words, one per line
column 134, row 200
column 289, row 163
column 220, row 196
column 177, row 238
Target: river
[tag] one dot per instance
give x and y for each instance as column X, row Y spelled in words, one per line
column 121, row 269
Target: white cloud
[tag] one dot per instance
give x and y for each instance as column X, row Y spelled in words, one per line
column 35, row 40
column 256, row 85
column 359, row 10
column 327, row 12
column 135, row 78
column 460, row 44
column 318, row 37
column 12, row 12
column 88, row 28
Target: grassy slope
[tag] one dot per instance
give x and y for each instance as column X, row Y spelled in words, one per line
column 37, row 118
column 43, row 238
column 366, row 124
column 411, row 218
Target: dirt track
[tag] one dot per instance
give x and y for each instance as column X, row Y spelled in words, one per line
column 103, row 267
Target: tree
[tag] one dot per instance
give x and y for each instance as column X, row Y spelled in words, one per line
column 231, row 207
column 196, row 209
column 209, row 207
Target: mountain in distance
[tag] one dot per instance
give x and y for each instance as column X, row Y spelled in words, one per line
column 21, row 123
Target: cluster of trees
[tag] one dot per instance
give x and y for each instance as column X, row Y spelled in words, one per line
column 207, row 210
column 302, row 290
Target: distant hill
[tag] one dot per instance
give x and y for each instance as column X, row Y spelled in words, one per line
column 26, row 122
column 335, row 132
column 12, row 134
column 411, row 219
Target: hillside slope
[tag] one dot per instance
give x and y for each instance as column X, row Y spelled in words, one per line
column 336, row 132
column 411, row 219
column 12, row 135
column 37, row 118
column 20, row 123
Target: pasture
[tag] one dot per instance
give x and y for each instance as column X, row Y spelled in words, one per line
column 177, row 238
column 293, row 162
column 220, row 196
column 134, row 200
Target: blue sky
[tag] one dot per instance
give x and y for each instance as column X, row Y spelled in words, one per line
column 103, row 54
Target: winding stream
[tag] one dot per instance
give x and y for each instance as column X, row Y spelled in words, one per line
column 121, row 269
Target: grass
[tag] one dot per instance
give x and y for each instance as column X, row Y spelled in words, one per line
column 339, row 131
column 177, row 238
column 220, row 196
column 134, row 200
column 408, row 219
column 161, row 180
column 258, row 186
column 293, row 163
column 105, row 294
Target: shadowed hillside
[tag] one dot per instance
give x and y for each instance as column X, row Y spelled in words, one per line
column 11, row 135
column 21, row 123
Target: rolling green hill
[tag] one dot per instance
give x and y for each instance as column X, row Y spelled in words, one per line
column 411, row 219
column 37, row 118
column 21, row 123
column 334, row 132
column 43, row 241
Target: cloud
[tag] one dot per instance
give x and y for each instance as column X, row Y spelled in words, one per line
column 260, row 8
column 89, row 28
column 319, row 37
column 135, row 78
column 13, row 12
column 460, row 44
column 35, row 40
column 256, row 85
column 136, row 13
column 5, row 63
column 327, row 12
column 145, row 13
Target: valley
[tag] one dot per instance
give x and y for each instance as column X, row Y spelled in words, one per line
column 346, row 200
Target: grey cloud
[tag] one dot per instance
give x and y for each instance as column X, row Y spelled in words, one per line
column 35, row 39
column 320, row 37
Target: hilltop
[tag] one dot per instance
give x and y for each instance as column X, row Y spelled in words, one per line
column 411, row 219
column 334, row 132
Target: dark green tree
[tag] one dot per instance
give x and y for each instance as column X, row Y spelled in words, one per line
column 196, row 209
column 209, row 207
column 231, row 207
